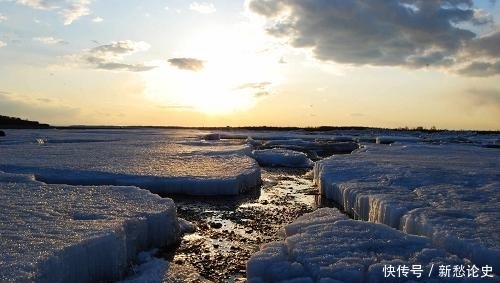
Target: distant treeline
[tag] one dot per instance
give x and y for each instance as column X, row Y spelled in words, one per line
column 7, row 122
column 250, row 128
column 271, row 128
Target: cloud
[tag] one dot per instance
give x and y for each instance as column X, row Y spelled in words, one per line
column 261, row 94
column 123, row 67
column 118, row 49
column 257, row 89
column 487, row 45
column 49, row 40
column 76, row 10
column 203, row 8
column 97, row 19
column 70, row 10
column 38, row 4
column 258, row 85
column 111, row 56
column 2, row 18
column 482, row 56
column 2, row 44
column 481, row 69
column 406, row 33
column 190, row 64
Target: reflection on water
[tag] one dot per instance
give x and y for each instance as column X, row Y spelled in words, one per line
column 230, row 229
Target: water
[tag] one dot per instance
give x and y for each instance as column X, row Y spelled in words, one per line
column 230, row 230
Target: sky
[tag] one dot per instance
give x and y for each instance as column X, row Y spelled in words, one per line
column 306, row 63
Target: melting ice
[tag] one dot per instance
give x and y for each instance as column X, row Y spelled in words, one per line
column 73, row 208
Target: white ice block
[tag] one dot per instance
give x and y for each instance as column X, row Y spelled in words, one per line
column 326, row 246
column 62, row 233
column 449, row 193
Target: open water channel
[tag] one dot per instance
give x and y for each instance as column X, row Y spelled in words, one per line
column 229, row 230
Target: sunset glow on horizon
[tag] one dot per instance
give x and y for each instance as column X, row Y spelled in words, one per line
column 252, row 63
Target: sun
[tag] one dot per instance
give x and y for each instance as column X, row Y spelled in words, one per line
column 234, row 76
column 209, row 91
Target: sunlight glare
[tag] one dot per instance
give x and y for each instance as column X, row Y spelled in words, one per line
column 234, row 76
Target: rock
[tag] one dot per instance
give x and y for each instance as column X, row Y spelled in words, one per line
column 215, row 225
column 2, row 133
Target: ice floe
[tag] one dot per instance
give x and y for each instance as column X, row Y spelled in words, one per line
column 62, row 233
column 326, row 246
column 282, row 158
column 448, row 193
column 161, row 161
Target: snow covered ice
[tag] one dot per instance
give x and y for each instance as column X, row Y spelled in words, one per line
column 68, row 193
column 448, row 193
column 162, row 161
column 63, row 233
column 326, row 246
column 282, row 158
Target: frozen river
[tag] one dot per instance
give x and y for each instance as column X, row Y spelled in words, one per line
column 65, row 193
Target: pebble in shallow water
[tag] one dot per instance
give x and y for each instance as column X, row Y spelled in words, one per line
column 229, row 231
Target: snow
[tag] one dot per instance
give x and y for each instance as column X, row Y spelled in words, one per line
column 327, row 246
column 448, row 193
column 165, row 162
column 282, row 158
column 63, row 233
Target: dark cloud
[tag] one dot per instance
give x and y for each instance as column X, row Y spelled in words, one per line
column 481, row 69
column 110, row 56
column 409, row 33
column 488, row 45
column 190, row 64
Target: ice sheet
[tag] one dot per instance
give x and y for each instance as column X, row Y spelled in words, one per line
column 315, row 146
column 62, row 233
column 326, row 246
column 282, row 158
column 449, row 193
column 163, row 161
